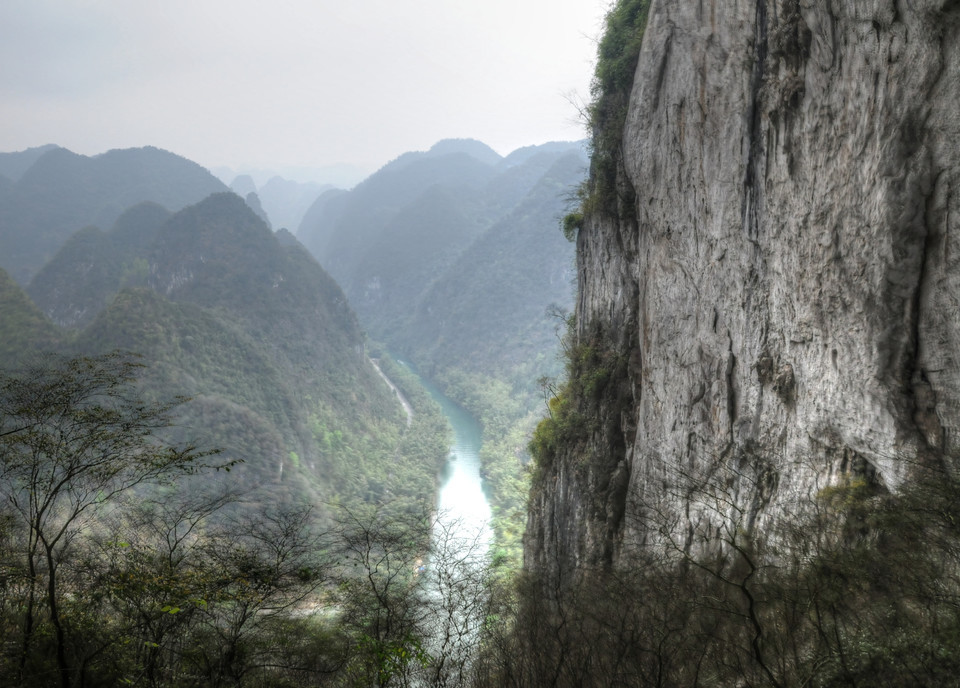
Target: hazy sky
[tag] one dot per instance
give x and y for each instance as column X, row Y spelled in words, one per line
column 292, row 82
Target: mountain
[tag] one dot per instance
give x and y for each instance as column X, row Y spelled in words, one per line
column 253, row 201
column 475, row 149
column 450, row 163
column 342, row 235
column 286, row 202
column 243, row 185
column 521, row 155
column 427, row 223
column 337, row 175
column 487, row 312
column 421, row 241
column 283, row 201
column 25, row 328
column 6, row 187
column 454, row 259
column 62, row 192
column 92, row 266
column 246, row 323
column 13, row 165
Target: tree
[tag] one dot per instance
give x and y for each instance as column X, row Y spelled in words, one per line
column 268, row 574
column 381, row 602
column 459, row 577
column 75, row 435
column 149, row 579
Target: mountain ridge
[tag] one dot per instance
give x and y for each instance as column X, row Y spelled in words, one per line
column 62, row 192
column 245, row 322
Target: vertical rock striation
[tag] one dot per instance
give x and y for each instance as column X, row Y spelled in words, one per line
column 781, row 291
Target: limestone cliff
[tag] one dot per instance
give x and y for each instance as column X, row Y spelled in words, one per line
column 774, row 306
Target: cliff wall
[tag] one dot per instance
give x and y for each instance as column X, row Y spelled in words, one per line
column 776, row 298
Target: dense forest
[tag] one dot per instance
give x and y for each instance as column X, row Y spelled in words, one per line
column 121, row 568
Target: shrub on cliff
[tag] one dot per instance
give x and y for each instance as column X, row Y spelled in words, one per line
column 617, row 55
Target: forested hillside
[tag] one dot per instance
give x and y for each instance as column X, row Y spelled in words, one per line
column 454, row 258
column 24, row 326
column 490, row 311
column 197, row 457
column 249, row 327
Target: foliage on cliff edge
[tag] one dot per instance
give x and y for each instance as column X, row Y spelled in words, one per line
column 617, row 56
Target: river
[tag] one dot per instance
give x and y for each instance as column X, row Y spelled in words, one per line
column 455, row 573
column 463, row 511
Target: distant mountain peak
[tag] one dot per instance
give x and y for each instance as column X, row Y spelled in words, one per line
column 13, row 165
column 242, row 185
column 472, row 147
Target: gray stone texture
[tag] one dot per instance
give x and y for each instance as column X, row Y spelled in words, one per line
column 785, row 288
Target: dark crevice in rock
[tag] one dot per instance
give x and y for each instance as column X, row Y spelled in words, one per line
column 754, row 115
column 662, row 69
column 731, row 387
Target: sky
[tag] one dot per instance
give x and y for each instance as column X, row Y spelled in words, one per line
column 293, row 83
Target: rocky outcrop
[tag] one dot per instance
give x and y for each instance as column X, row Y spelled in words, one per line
column 781, row 292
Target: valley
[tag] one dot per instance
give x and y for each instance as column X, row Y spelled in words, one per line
column 675, row 405
column 317, row 429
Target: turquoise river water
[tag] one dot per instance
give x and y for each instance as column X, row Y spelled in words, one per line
column 463, row 511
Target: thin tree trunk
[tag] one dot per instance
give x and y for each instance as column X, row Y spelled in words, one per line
column 31, row 603
column 62, row 665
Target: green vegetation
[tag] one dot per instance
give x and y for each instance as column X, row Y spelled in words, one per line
column 861, row 588
column 617, row 56
column 491, row 313
column 73, row 438
column 23, row 326
column 92, row 266
column 255, row 333
column 453, row 260
column 401, row 468
column 118, row 569
column 434, row 251
column 573, row 404
column 227, row 579
column 506, row 424
column 572, row 224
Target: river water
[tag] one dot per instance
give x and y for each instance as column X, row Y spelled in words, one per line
column 455, row 572
column 463, row 512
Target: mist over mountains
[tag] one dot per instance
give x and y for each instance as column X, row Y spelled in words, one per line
column 62, row 192
column 453, row 255
column 284, row 202
column 698, row 406
column 145, row 251
column 227, row 313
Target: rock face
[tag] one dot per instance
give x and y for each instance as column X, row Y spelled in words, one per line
column 782, row 296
